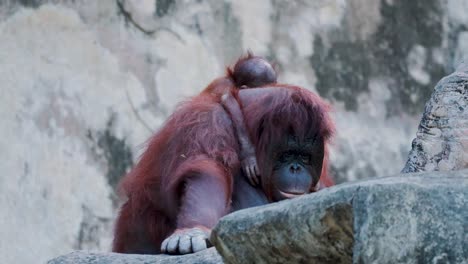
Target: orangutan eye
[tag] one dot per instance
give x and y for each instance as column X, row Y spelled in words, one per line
column 305, row 159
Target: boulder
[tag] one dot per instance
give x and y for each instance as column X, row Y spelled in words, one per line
column 441, row 143
column 411, row 218
column 209, row 256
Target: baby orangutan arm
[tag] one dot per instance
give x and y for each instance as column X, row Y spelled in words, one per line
column 247, row 150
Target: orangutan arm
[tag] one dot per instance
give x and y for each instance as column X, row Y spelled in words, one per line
column 247, row 150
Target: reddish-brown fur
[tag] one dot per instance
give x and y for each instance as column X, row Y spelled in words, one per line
column 194, row 139
column 199, row 142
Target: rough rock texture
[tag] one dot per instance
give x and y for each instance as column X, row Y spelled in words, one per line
column 209, row 256
column 441, row 143
column 411, row 218
column 83, row 83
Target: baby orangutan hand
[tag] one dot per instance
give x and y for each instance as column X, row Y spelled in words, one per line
column 250, row 168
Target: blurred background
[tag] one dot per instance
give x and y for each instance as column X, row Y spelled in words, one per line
column 84, row 83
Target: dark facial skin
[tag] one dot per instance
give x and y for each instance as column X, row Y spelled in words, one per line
column 297, row 169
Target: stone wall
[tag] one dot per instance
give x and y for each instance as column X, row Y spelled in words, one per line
column 84, row 83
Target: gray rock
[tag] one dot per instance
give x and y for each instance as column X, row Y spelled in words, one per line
column 441, row 143
column 415, row 218
column 209, row 256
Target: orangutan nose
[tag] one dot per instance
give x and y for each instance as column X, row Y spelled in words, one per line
column 295, row 168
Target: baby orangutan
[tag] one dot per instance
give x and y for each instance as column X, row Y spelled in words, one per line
column 248, row 72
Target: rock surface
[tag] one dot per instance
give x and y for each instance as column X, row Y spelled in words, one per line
column 441, row 143
column 414, row 218
column 209, row 256
column 410, row 218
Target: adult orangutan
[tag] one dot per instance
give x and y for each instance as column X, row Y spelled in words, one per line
column 190, row 174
